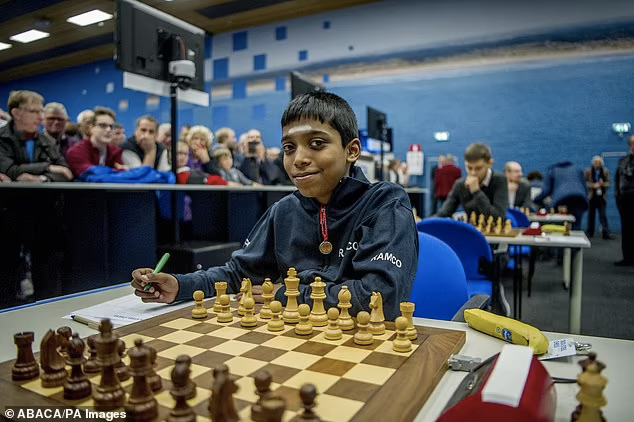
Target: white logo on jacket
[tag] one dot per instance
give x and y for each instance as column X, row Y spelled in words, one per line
column 387, row 256
column 352, row 246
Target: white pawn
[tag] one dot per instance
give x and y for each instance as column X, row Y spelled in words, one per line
column 401, row 343
column 345, row 322
column 249, row 319
column 199, row 311
column 333, row 332
column 267, row 295
column 276, row 323
column 304, row 327
column 363, row 337
column 225, row 314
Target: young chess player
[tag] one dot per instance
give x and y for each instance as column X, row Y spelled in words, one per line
column 337, row 225
column 482, row 191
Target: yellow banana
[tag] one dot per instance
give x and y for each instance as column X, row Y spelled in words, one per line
column 553, row 228
column 507, row 329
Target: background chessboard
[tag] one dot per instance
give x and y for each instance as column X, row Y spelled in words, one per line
column 355, row 383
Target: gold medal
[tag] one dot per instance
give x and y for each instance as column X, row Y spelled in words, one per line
column 325, row 247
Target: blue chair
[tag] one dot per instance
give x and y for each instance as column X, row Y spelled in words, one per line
column 518, row 219
column 440, row 287
column 472, row 249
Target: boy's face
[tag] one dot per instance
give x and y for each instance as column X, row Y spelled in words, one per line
column 315, row 158
column 478, row 168
column 183, row 155
column 226, row 162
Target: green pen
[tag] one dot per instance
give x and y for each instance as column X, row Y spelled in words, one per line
column 158, row 269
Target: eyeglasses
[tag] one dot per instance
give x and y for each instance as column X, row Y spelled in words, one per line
column 33, row 110
column 105, row 125
column 56, row 119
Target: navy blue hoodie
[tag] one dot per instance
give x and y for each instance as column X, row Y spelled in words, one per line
column 375, row 247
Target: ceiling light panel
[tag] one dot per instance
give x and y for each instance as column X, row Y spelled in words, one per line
column 4, row 46
column 29, row 36
column 89, row 18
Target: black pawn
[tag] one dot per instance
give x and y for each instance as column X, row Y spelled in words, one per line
column 153, row 378
column 91, row 366
column 181, row 390
column 25, row 367
column 307, row 394
column 123, row 372
column 191, row 386
column 77, row 385
column 142, row 406
column 263, row 380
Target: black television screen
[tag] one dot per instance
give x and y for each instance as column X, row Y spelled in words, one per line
column 301, row 84
column 147, row 39
column 377, row 125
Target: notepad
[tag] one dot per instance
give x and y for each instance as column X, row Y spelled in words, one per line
column 125, row 310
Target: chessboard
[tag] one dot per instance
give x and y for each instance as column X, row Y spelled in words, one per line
column 490, row 227
column 354, row 383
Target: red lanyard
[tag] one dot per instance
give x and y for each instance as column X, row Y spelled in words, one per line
column 325, row 247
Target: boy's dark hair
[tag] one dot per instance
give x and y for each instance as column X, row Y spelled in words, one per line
column 326, row 107
column 477, row 152
column 102, row 111
column 150, row 119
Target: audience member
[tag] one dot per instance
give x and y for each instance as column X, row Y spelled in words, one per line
column 164, row 136
column 4, row 118
column 199, row 139
column 272, row 153
column 224, row 163
column 482, row 191
column 83, row 121
column 434, row 172
column 184, row 131
column 566, row 186
column 26, row 155
column 226, row 138
column 624, row 190
column 519, row 191
column 119, row 135
column 56, row 120
column 187, row 175
column 445, row 177
column 142, row 150
column 598, row 181
column 98, row 150
column 255, row 166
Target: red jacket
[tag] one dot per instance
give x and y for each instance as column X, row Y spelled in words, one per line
column 83, row 156
column 197, row 177
column 446, row 176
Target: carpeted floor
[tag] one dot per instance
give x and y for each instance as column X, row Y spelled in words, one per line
column 608, row 294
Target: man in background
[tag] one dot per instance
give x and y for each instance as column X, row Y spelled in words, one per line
column 118, row 137
column 142, row 149
column 598, row 181
column 55, row 121
column 446, row 176
column 624, row 190
column 164, row 136
column 519, row 192
column 83, row 121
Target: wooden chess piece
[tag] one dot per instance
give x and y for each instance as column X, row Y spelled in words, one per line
column 91, row 366
column 221, row 289
column 333, row 332
column 249, row 319
column 142, row 406
column 181, row 392
column 473, row 219
column 123, row 372
column 77, row 386
column 346, row 323
column 290, row 314
column 199, row 311
column 590, row 396
column 109, row 395
column 275, row 324
column 263, row 380
column 363, row 336
column 154, row 379
column 498, row 226
column 307, row 393
column 63, row 337
column 267, row 296
column 407, row 310
column 247, row 292
column 52, row 362
column 401, row 343
column 377, row 318
column 273, row 409
column 318, row 315
column 191, row 386
column 25, row 366
column 304, row 327
column 508, row 227
column 567, row 227
column 225, row 314
column 221, row 404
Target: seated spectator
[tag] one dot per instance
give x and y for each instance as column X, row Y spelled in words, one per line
column 519, row 192
column 142, row 150
column 224, row 163
column 482, row 191
column 83, row 122
column 445, row 176
column 56, row 120
column 119, row 135
column 187, row 175
column 98, row 149
column 199, row 140
column 26, row 155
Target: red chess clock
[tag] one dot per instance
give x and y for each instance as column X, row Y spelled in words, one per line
column 514, row 390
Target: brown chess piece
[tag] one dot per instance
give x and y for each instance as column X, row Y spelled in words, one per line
column 91, row 366
column 273, row 409
column 181, row 391
column 263, row 380
column 142, row 406
column 52, row 362
column 109, row 395
column 77, row 386
column 123, row 372
column 63, row 337
column 25, row 366
column 590, row 396
column 153, row 378
column 307, row 393
column 187, row 361
column 221, row 404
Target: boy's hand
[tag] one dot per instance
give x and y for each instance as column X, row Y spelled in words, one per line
column 164, row 287
column 257, row 293
column 472, row 183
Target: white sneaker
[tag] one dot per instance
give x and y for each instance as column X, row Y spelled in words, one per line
column 26, row 289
